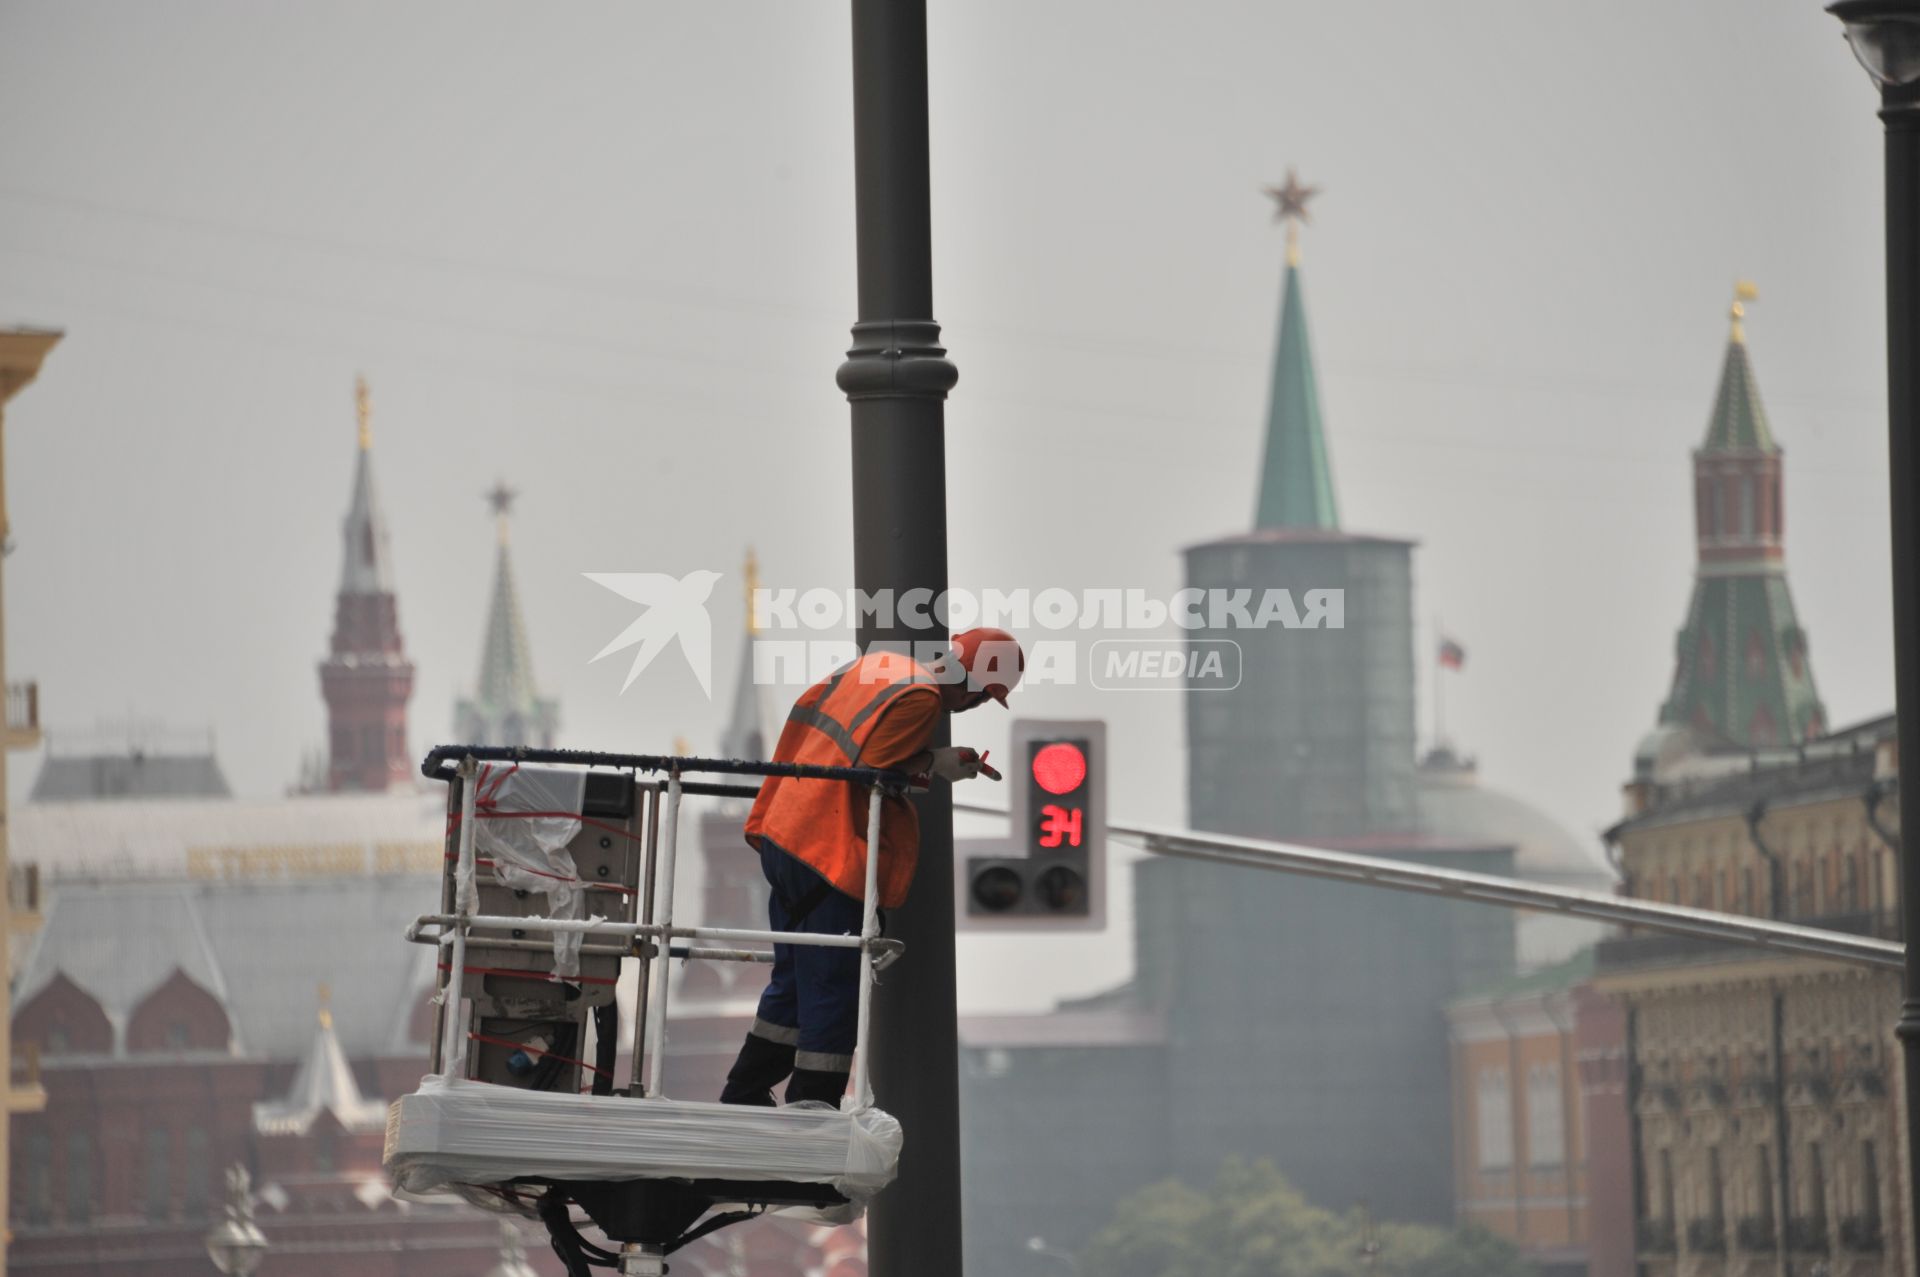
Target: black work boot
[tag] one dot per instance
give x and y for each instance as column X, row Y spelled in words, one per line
column 817, row 1085
column 760, row 1066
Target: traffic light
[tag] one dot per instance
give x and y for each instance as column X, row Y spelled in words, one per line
column 1052, row 876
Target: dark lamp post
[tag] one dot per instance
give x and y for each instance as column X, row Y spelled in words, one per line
column 1885, row 35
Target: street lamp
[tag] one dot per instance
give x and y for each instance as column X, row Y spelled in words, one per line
column 236, row 1244
column 1885, row 36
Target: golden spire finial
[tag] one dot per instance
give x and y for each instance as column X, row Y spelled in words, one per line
column 1290, row 206
column 752, row 580
column 500, row 497
column 326, row 1010
column 682, row 747
column 363, row 409
column 1743, row 291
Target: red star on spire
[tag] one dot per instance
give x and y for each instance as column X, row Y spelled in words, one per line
column 1290, row 201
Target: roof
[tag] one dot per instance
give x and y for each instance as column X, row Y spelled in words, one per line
column 1739, row 423
column 1575, row 971
column 262, row 948
column 206, row 837
column 506, row 708
column 21, row 352
column 1453, row 803
column 323, row 1084
column 367, row 563
column 1780, row 783
column 1741, row 670
column 1296, row 480
column 129, row 775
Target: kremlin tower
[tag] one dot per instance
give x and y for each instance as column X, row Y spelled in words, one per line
column 506, row 709
column 1741, row 675
column 1317, row 739
column 366, row 678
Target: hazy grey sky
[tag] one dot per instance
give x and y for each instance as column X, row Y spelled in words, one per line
column 606, row 251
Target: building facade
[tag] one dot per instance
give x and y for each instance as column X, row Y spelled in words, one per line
column 1766, row 1118
column 22, row 351
column 1541, row 1130
column 1766, row 1131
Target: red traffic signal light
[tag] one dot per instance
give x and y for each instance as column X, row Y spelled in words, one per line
column 1050, row 874
column 1060, row 767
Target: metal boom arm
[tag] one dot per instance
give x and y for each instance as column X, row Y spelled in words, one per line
column 1510, row 893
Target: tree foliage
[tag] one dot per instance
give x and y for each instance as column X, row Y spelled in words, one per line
column 1252, row 1223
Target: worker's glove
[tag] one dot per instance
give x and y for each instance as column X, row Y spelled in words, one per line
column 955, row 762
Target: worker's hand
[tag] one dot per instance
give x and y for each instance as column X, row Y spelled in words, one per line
column 955, row 762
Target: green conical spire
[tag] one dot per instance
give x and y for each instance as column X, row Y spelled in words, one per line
column 506, row 709
column 1739, row 423
column 1296, row 484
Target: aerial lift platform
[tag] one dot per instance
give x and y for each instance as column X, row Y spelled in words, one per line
column 559, row 873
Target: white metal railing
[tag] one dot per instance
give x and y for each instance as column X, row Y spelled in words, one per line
column 655, row 922
column 1511, row 893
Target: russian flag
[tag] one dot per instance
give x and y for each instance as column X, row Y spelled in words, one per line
column 1452, row 655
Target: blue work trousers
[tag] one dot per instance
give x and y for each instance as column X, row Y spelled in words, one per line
column 813, row 999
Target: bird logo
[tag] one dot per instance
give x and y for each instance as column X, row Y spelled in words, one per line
column 676, row 608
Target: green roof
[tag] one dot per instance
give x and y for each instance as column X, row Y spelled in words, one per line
column 1564, row 975
column 1296, row 482
column 1739, row 423
column 1741, row 671
column 506, row 661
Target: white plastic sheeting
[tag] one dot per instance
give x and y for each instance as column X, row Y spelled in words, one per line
column 454, row 1132
column 527, row 816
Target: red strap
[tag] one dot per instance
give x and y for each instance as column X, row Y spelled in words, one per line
column 534, row 1050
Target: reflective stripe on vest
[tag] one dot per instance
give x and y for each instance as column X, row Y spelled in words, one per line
column 820, row 822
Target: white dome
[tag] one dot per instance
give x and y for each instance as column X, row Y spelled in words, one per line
column 1453, row 804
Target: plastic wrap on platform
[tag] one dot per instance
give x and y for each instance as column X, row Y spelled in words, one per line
column 459, row 1132
column 528, row 814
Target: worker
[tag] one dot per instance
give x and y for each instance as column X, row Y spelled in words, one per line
column 880, row 711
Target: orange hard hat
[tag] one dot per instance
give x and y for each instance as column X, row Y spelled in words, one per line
column 993, row 660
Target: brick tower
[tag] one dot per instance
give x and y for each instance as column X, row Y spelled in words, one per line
column 366, row 677
column 1741, row 674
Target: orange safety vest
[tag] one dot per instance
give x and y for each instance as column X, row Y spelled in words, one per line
column 824, row 822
